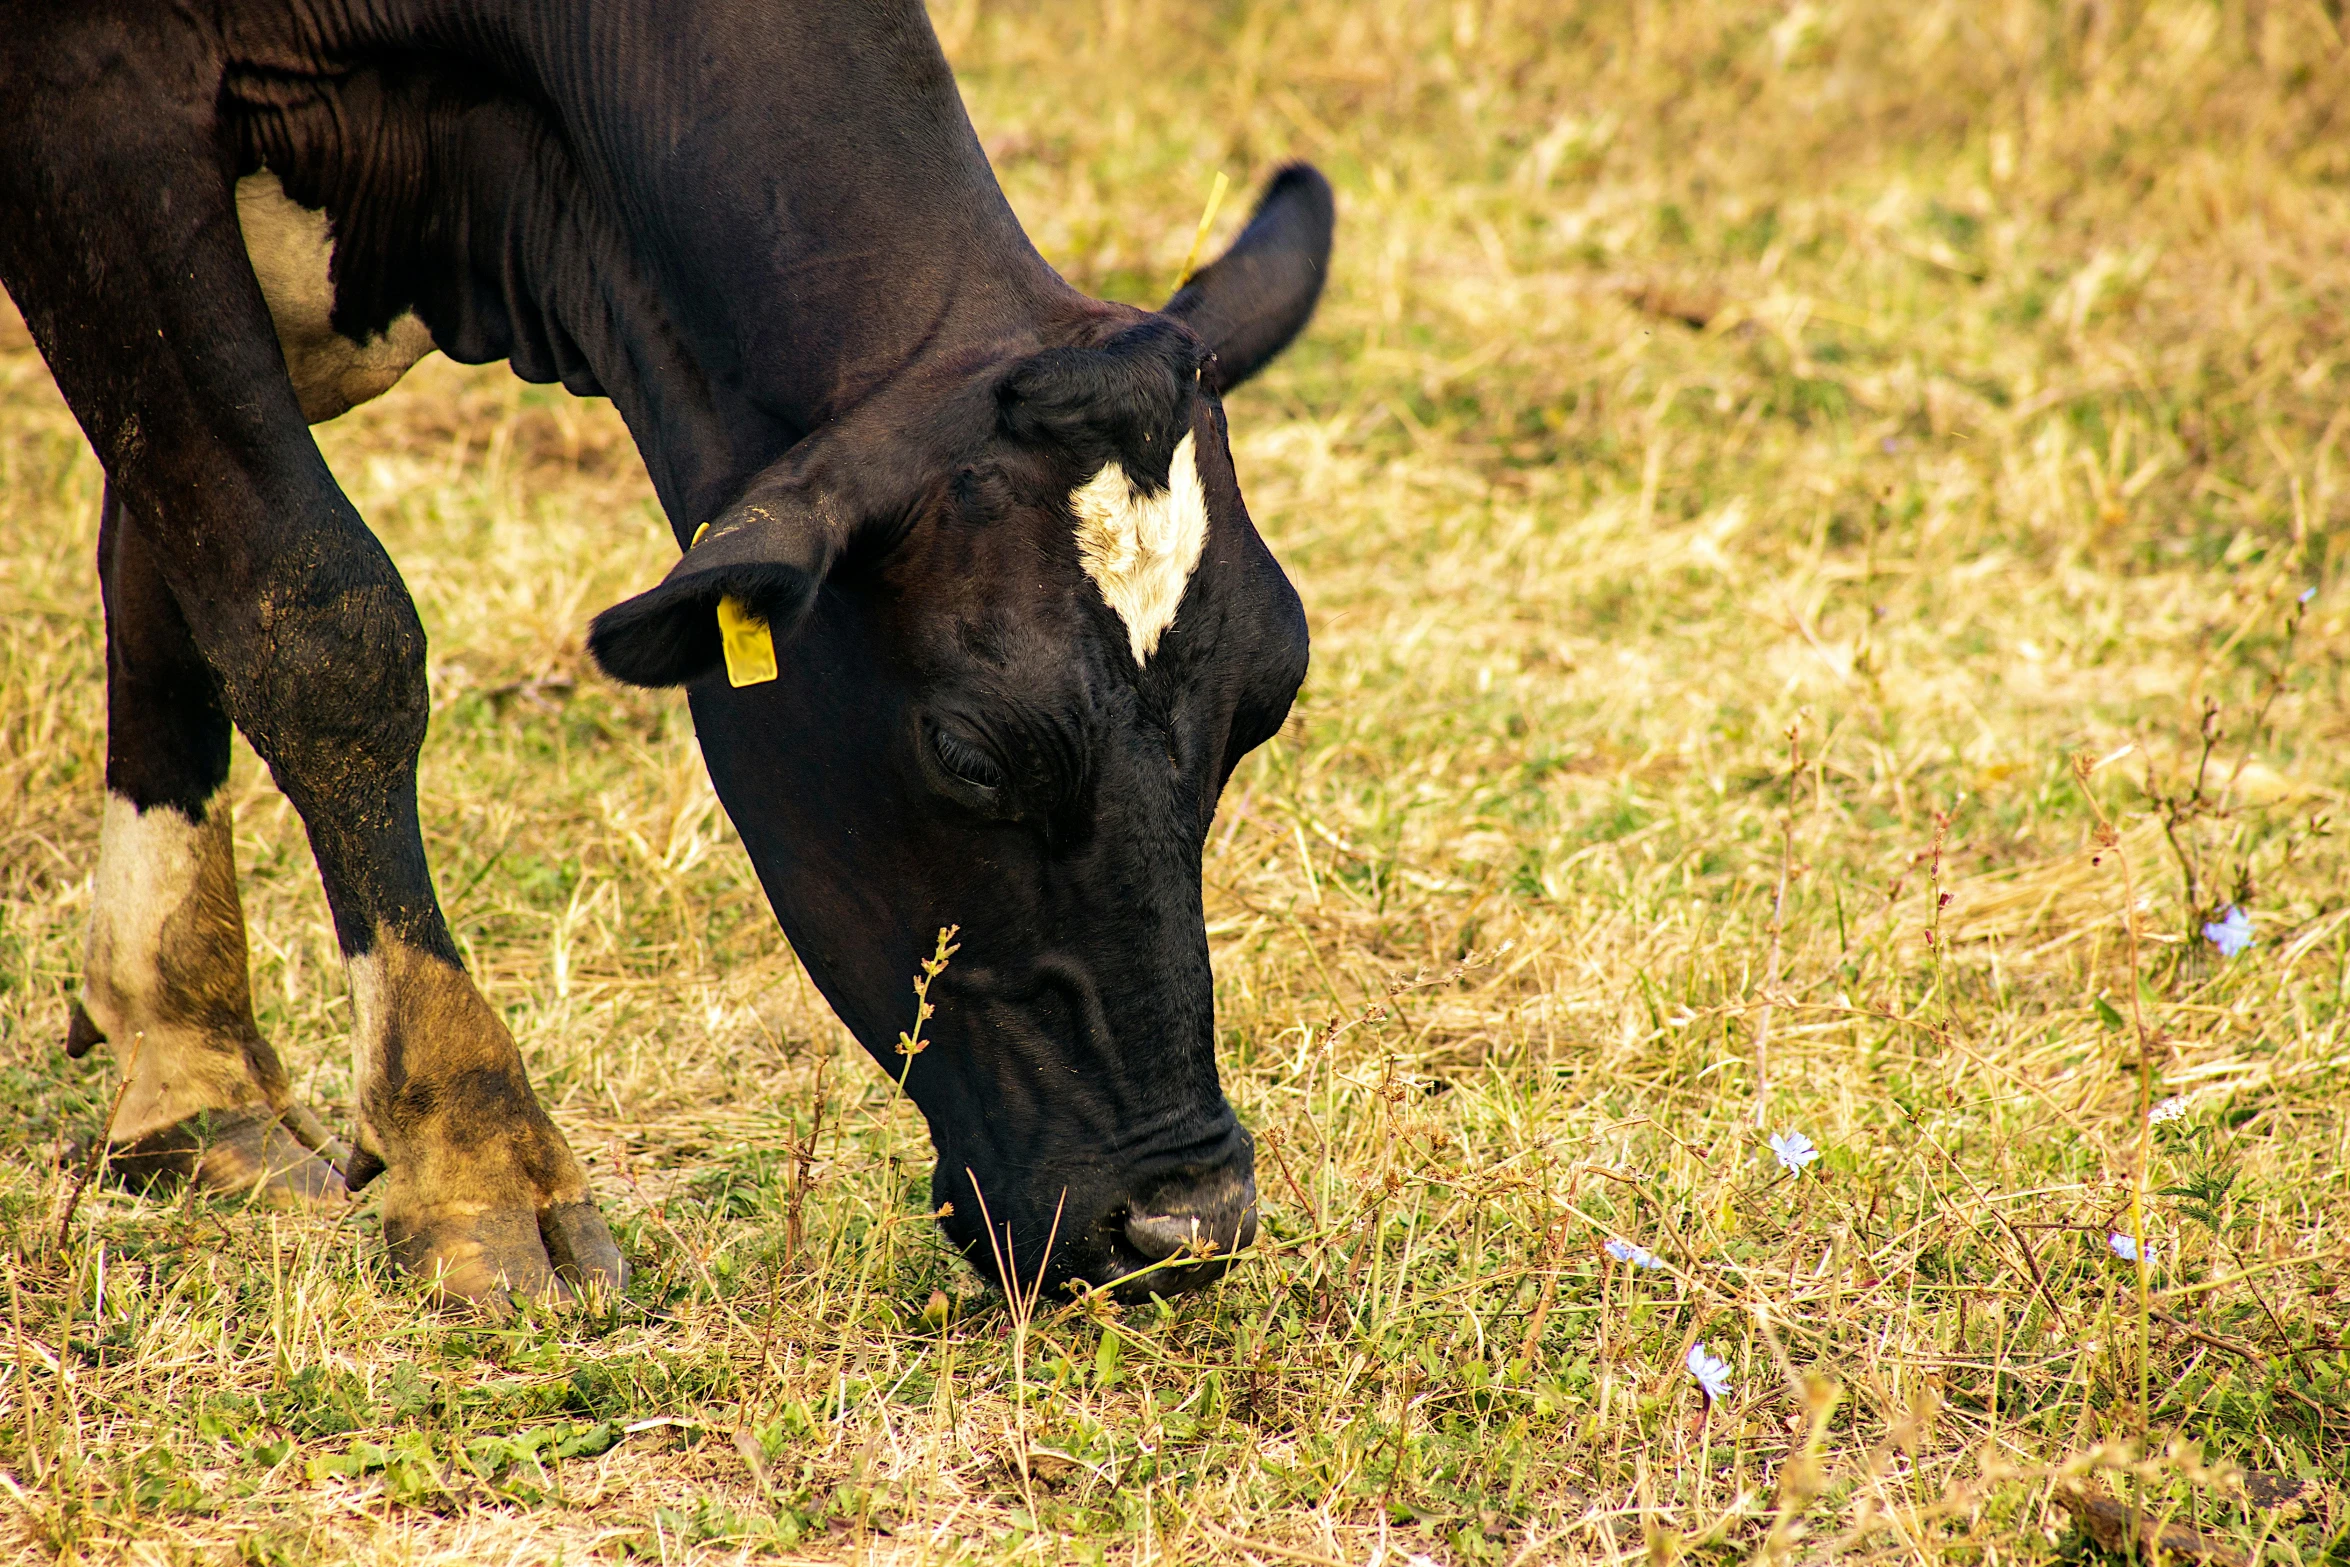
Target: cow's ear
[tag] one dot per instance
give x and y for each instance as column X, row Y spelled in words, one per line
column 768, row 552
column 1248, row 303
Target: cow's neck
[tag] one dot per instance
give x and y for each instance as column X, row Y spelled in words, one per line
column 801, row 179
column 783, row 207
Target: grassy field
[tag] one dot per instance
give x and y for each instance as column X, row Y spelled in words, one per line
column 1820, row 528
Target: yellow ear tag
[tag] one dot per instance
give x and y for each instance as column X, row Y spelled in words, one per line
column 748, row 644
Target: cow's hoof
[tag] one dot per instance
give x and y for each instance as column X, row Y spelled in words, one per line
column 490, row 1257
column 252, row 1153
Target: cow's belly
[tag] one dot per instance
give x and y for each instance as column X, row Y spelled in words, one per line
column 292, row 253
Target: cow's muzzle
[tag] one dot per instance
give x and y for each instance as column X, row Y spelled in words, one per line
column 1183, row 1233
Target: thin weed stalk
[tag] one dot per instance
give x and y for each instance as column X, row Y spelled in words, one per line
column 101, row 1146
column 2109, row 841
column 1762, row 1027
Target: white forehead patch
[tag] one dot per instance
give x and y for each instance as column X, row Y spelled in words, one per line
column 1141, row 546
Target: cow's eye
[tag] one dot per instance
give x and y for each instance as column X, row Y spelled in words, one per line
column 966, row 760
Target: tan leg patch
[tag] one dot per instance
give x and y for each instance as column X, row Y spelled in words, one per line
column 164, row 977
column 165, row 985
column 481, row 1193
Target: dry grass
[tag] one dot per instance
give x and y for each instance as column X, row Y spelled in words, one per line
column 1957, row 385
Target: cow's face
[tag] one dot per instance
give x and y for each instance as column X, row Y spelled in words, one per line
column 1009, row 687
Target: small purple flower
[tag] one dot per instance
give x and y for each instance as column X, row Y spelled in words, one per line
column 1712, row 1374
column 1889, row 445
column 2307, row 594
column 1638, row 1256
column 2126, row 1247
column 2231, row 932
column 1794, row 1150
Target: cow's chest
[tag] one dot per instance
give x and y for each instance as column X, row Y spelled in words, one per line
column 292, row 251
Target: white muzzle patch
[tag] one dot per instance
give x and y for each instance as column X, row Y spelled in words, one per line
column 1141, row 546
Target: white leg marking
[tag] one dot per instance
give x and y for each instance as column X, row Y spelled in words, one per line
column 147, row 867
column 164, row 973
column 371, row 1035
column 1141, row 546
column 292, row 249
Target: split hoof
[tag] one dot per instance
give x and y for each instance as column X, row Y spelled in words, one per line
column 493, row 1257
column 249, row 1153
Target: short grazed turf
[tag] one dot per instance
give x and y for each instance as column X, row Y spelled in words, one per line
column 1804, row 511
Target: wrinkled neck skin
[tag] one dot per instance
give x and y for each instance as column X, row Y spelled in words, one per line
column 800, row 180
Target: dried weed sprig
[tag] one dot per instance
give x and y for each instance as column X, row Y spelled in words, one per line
column 911, row 1043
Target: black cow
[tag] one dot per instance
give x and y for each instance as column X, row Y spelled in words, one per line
column 971, row 618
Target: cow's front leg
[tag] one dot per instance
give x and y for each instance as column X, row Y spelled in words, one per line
column 481, row 1195
column 164, row 977
column 123, row 245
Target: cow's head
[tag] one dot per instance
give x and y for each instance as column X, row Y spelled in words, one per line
column 1023, row 631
